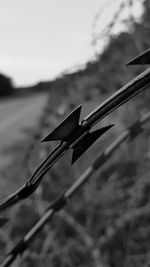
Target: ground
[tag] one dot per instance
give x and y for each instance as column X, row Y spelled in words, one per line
column 17, row 114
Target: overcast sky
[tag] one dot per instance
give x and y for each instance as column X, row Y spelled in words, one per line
column 41, row 38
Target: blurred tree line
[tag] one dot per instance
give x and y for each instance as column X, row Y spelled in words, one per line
column 107, row 223
column 6, row 87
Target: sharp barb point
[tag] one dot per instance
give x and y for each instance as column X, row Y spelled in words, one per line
column 66, row 128
column 80, row 147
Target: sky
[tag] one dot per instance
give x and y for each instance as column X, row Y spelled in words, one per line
column 42, row 38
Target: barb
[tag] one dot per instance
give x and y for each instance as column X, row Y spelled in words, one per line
column 77, row 136
column 62, row 199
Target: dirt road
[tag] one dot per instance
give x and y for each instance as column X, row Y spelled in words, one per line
column 16, row 115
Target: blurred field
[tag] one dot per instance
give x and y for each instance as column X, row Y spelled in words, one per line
column 17, row 114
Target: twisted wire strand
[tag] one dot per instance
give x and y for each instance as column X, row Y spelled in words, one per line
column 62, row 199
column 132, row 88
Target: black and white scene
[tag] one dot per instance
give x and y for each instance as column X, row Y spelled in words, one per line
column 75, row 133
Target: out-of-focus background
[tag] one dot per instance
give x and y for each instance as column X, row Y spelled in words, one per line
column 53, row 57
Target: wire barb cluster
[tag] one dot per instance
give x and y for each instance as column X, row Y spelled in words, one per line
column 139, row 83
column 62, row 199
column 80, row 133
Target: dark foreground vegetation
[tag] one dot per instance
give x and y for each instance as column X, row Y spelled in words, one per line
column 107, row 223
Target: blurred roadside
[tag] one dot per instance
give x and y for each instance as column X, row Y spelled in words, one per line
column 17, row 114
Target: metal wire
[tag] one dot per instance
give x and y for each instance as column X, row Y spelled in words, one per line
column 61, row 201
column 139, row 83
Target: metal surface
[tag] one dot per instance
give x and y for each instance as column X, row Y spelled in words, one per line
column 61, row 201
column 132, row 88
column 142, row 59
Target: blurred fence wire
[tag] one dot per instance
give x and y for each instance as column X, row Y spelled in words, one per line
column 123, row 18
column 81, row 141
column 129, row 134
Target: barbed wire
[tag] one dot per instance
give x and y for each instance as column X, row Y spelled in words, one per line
column 139, row 83
column 68, row 140
column 129, row 134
